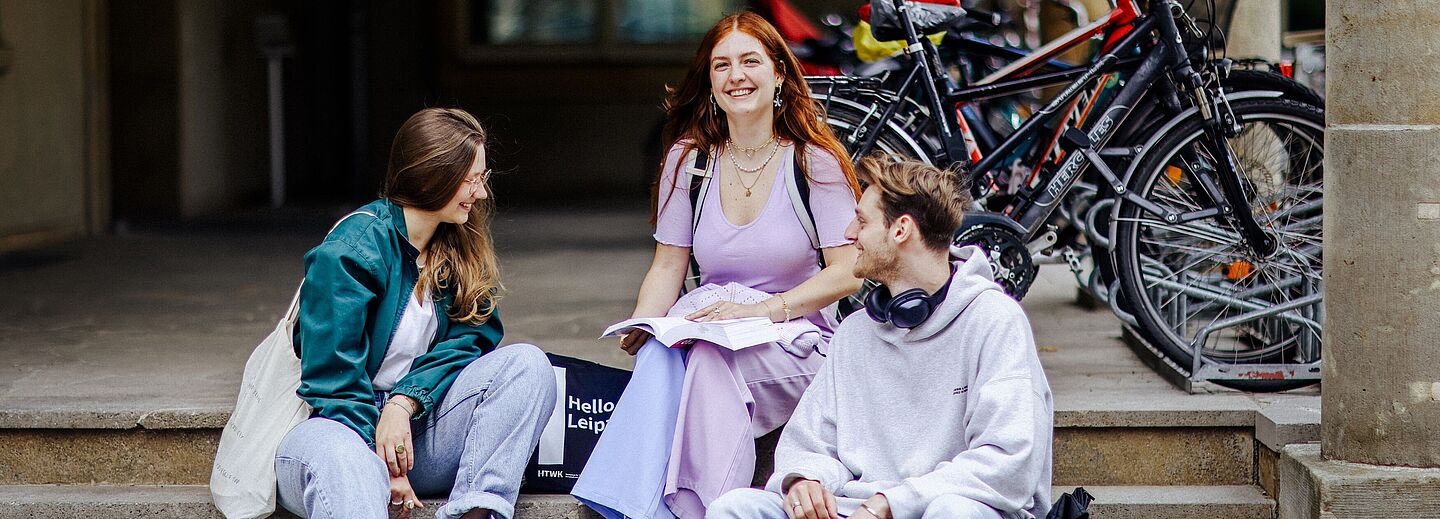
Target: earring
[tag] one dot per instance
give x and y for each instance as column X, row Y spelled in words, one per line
column 777, row 98
column 714, row 105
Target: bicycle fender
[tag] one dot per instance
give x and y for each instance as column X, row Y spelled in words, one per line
column 1180, row 118
column 974, row 218
column 1170, row 125
column 919, row 150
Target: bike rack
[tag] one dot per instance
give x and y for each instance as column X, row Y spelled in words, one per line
column 1190, row 380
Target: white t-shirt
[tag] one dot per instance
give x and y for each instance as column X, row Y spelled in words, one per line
column 412, row 339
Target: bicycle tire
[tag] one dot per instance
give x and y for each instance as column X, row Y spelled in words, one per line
column 845, row 116
column 1149, row 251
column 1150, row 121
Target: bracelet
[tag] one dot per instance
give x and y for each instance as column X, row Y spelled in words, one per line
column 402, row 405
column 784, row 305
column 871, row 510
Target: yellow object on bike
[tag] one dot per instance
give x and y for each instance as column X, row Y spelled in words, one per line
column 870, row 50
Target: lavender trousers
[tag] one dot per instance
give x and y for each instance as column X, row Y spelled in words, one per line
column 684, row 430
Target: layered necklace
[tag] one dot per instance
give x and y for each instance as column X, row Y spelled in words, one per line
column 749, row 152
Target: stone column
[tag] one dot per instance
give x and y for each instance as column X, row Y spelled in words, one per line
column 1380, row 406
column 1254, row 30
column 1381, row 399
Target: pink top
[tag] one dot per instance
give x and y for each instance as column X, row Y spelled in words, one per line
column 772, row 253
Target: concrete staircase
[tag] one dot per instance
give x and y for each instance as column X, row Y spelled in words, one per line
column 193, row 501
column 112, row 406
column 1206, row 463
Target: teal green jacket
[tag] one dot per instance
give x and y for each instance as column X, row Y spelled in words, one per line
column 357, row 283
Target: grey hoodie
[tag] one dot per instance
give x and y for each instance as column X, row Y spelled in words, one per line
column 957, row 405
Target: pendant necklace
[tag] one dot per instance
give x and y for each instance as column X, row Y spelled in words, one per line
column 757, row 170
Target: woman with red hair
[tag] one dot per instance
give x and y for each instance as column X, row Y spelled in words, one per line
column 683, row 433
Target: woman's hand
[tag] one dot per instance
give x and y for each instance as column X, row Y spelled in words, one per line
column 633, row 340
column 726, row 310
column 392, row 435
column 402, row 497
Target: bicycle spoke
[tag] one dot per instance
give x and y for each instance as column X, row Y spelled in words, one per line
column 1202, row 275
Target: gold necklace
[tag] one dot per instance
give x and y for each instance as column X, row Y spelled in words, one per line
column 750, row 151
column 731, row 153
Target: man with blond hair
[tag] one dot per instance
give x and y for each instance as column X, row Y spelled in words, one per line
column 932, row 403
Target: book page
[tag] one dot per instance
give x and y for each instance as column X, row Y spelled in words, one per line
column 734, row 334
column 751, row 332
column 657, row 326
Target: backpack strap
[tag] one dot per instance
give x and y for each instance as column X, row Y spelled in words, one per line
column 799, row 190
column 700, row 176
column 347, row 217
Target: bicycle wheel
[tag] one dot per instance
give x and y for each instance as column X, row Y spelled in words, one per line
column 1198, row 282
column 848, row 118
column 1148, row 119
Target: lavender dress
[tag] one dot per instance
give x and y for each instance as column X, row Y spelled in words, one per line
column 683, row 432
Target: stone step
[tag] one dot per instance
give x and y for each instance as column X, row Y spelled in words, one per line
column 177, row 447
column 1180, row 502
column 193, row 501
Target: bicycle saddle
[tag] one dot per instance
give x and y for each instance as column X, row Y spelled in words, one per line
column 927, row 16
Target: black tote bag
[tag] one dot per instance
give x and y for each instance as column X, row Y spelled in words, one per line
column 586, row 393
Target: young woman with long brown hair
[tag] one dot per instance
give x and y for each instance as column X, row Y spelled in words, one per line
column 683, row 432
column 397, row 339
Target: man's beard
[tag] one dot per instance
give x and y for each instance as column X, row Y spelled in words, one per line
column 876, row 265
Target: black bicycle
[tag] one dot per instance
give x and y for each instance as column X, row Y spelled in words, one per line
column 1212, row 193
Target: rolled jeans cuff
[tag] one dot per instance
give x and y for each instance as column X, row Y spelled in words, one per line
column 498, row 506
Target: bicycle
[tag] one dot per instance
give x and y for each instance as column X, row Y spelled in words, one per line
column 1163, row 74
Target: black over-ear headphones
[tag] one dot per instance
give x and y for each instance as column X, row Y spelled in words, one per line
column 907, row 309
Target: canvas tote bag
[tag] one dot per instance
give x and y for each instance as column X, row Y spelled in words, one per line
column 586, row 393
column 242, row 481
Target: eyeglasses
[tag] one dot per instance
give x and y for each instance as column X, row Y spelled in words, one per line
column 475, row 183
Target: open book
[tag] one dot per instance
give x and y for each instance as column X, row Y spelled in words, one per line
column 734, row 334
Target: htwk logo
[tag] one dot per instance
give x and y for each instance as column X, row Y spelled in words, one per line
column 552, row 439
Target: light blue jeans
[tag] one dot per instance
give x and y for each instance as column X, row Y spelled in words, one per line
column 474, row 446
column 750, row 503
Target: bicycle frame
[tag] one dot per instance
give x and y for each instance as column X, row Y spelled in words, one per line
column 1167, row 56
column 1115, row 25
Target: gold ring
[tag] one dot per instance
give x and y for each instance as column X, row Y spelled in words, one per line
column 399, row 449
column 409, row 504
